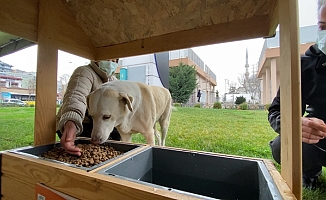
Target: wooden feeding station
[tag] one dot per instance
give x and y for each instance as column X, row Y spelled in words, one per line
column 105, row 29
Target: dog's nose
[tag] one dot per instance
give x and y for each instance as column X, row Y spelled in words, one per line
column 95, row 141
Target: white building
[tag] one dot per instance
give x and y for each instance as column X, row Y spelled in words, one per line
column 141, row 69
column 10, row 81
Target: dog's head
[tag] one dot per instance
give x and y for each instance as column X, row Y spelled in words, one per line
column 107, row 107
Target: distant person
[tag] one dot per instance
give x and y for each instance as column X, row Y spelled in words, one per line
column 72, row 119
column 198, row 95
column 313, row 97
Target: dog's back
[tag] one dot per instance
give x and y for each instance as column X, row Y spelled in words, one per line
column 161, row 98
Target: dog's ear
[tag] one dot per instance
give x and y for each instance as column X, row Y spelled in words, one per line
column 87, row 99
column 128, row 100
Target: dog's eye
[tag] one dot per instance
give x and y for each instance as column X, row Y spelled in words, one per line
column 105, row 117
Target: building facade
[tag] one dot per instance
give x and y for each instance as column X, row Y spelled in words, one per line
column 16, row 82
column 148, row 69
column 10, row 81
column 269, row 66
column 206, row 78
column 144, row 69
column 4, row 67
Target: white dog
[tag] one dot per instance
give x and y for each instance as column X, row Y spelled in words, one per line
column 131, row 107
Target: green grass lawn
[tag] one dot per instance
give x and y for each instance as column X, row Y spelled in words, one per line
column 235, row 132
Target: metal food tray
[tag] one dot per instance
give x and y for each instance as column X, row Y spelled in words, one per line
column 37, row 151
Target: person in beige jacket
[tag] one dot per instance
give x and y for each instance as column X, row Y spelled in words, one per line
column 72, row 119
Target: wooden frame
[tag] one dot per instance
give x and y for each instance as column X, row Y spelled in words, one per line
column 290, row 82
column 63, row 25
column 22, row 173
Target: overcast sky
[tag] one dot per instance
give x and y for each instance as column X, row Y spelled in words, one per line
column 226, row 60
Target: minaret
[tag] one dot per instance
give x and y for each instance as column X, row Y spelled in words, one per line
column 247, row 65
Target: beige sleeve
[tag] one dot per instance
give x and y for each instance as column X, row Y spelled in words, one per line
column 74, row 102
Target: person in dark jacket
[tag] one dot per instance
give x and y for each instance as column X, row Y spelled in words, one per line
column 313, row 97
column 198, row 95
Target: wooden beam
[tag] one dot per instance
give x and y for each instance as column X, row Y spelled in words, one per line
column 46, row 78
column 19, row 17
column 284, row 189
column 226, row 32
column 23, row 190
column 273, row 20
column 75, row 182
column 290, row 82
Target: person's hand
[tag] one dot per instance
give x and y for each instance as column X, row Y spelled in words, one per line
column 68, row 139
column 313, row 130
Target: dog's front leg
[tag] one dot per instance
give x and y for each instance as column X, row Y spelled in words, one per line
column 149, row 136
column 125, row 137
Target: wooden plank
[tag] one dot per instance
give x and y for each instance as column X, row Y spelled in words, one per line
column 19, row 17
column 291, row 141
column 13, row 164
column 226, row 32
column 46, row 78
column 113, row 22
column 6, row 198
column 284, row 189
column 14, row 188
column 142, row 148
column 79, row 183
column 273, row 19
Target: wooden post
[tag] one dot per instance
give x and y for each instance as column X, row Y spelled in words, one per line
column 291, row 141
column 46, row 78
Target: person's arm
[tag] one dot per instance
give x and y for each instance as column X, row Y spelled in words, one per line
column 68, row 138
column 74, row 102
column 274, row 115
column 313, row 129
column 74, row 107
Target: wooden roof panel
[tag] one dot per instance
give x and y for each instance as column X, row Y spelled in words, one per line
column 103, row 29
column 19, row 18
column 115, row 22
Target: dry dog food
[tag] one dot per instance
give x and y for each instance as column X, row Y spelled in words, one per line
column 91, row 155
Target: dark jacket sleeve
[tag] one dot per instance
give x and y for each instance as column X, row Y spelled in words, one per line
column 274, row 115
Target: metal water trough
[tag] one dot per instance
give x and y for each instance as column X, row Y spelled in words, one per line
column 202, row 175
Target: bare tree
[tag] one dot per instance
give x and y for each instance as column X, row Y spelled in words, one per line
column 31, row 86
column 243, row 82
column 62, row 84
column 232, row 87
